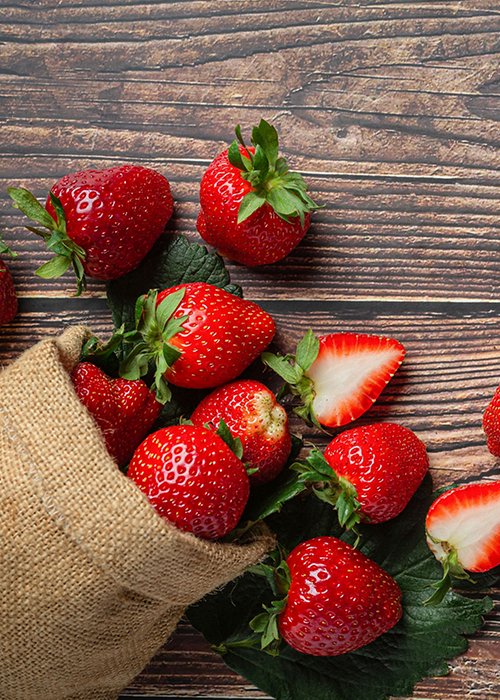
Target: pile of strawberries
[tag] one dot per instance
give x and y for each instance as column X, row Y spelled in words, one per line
column 331, row 599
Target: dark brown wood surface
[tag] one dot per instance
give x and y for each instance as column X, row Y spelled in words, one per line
column 391, row 111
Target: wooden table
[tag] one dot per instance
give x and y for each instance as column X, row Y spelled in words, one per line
column 391, row 111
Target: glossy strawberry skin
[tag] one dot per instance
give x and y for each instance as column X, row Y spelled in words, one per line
column 251, row 412
column 338, row 600
column 262, row 239
column 385, row 462
column 115, row 215
column 124, row 410
column 222, row 336
column 8, row 297
column 491, row 424
column 191, row 478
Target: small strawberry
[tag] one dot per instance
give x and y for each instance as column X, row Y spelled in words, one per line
column 369, row 473
column 491, row 424
column 196, row 335
column 339, row 376
column 253, row 209
column 8, row 297
column 463, row 531
column 252, row 414
column 336, row 600
column 124, row 410
column 101, row 222
column 192, row 478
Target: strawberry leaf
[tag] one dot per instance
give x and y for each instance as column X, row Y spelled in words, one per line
column 418, row 646
column 249, row 204
column 26, row 202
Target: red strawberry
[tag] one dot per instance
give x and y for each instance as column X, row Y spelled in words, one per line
column 199, row 336
column 491, row 424
column 102, row 222
column 124, row 410
column 252, row 414
column 191, row 477
column 253, row 210
column 337, row 601
column 463, row 531
column 339, row 376
column 8, row 297
column 376, row 470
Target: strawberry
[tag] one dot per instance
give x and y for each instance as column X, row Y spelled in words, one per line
column 102, row 222
column 252, row 414
column 369, row 473
column 336, row 600
column 491, row 424
column 463, row 531
column 8, row 297
column 124, row 410
column 338, row 376
column 198, row 336
column 192, row 478
column 252, row 208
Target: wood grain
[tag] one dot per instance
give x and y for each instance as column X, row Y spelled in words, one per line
column 391, row 111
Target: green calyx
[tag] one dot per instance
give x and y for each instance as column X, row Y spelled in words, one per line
column 5, row 250
column 66, row 252
column 451, row 568
column 149, row 346
column 330, row 488
column 269, row 176
column 293, row 369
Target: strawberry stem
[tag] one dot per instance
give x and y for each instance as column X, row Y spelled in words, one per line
column 451, row 568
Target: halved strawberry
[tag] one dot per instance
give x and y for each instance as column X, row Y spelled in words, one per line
column 463, row 531
column 338, row 376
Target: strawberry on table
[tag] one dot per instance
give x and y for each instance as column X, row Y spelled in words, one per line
column 339, row 376
column 336, row 600
column 252, row 208
column 463, row 531
column 8, row 297
column 192, row 478
column 197, row 336
column 124, row 410
column 252, row 414
column 491, row 424
column 368, row 473
column 100, row 222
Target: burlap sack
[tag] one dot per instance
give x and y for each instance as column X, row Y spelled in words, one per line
column 92, row 580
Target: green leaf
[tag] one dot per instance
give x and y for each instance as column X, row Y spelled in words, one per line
column 307, row 350
column 234, row 156
column 58, row 208
column 284, row 202
column 54, row 268
column 5, row 250
column 249, row 204
column 234, row 443
column 26, row 202
column 282, row 366
column 390, row 666
column 168, row 306
column 266, row 136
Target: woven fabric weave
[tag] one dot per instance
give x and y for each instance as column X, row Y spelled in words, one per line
column 92, row 580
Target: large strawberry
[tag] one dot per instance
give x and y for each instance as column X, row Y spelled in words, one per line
column 463, row 531
column 196, row 335
column 253, row 209
column 124, row 410
column 338, row 376
column 8, row 297
column 491, row 424
column 100, row 222
column 252, row 414
column 336, row 600
column 368, row 473
column 192, row 478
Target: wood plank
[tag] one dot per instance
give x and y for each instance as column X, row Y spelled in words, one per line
column 376, row 238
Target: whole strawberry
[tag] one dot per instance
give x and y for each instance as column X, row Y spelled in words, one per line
column 252, row 208
column 196, row 335
column 337, row 600
column 339, row 376
column 491, row 424
column 252, row 414
column 192, row 478
column 8, row 297
column 124, row 410
column 463, row 532
column 368, row 473
column 100, row 222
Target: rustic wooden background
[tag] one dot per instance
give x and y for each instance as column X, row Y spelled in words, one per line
column 389, row 108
